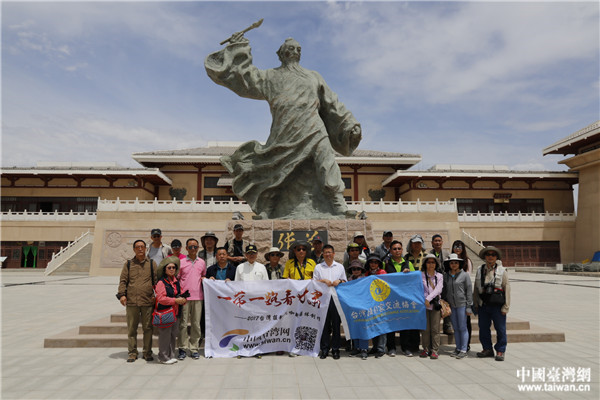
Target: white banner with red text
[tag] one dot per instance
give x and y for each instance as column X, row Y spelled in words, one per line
column 257, row 317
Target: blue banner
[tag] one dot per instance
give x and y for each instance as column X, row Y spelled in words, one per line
column 379, row 304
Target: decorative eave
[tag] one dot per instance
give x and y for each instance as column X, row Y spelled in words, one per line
column 399, row 178
column 212, row 156
column 153, row 176
column 574, row 143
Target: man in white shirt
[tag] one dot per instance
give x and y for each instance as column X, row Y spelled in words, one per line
column 250, row 270
column 330, row 273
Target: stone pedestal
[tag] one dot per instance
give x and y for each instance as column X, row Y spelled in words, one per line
column 339, row 232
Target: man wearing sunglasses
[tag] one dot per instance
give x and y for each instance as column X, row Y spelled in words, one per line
column 192, row 271
column 157, row 251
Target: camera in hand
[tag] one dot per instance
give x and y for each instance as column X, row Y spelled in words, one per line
column 436, row 304
column 185, row 294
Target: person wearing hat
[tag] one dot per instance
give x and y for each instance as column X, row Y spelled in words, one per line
column 491, row 296
column 396, row 263
column 353, row 253
column 317, row 253
column 375, row 267
column 251, row 270
column 360, row 346
column 433, row 282
column 416, row 252
column 237, row 245
column 157, row 250
column 176, row 249
column 223, row 270
column 364, row 251
column 457, row 291
column 192, row 271
column 383, row 251
column 331, row 273
column 209, row 248
column 168, row 291
column 299, row 266
column 274, row 268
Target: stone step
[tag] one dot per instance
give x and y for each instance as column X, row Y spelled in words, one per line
column 112, row 332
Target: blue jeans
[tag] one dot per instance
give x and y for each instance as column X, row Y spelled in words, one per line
column 487, row 315
column 459, row 324
column 360, row 344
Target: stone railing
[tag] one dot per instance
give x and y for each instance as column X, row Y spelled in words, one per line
column 517, row 217
column 65, row 253
column 232, row 206
column 471, row 242
column 48, row 216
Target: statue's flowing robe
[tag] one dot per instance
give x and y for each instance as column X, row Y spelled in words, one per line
column 294, row 175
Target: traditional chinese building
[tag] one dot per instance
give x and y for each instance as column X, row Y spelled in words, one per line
column 530, row 214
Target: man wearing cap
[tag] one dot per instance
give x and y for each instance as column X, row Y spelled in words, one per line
column 274, row 268
column 223, row 270
column 332, row 274
column 157, row 250
column 236, row 245
column 383, row 251
column 176, row 249
column 209, row 248
column 251, row 270
column 436, row 242
column 317, row 253
column 491, row 300
column 191, row 273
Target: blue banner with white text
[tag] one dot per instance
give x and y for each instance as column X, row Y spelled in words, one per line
column 379, row 304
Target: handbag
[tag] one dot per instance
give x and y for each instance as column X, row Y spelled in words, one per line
column 496, row 298
column 163, row 318
column 446, row 310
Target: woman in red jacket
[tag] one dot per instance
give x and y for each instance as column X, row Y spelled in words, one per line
column 168, row 294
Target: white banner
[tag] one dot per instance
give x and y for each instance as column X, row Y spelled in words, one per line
column 257, row 317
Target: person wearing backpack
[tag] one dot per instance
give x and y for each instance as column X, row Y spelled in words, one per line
column 136, row 294
column 168, row 295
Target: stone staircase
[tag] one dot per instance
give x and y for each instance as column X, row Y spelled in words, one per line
column 112, row 332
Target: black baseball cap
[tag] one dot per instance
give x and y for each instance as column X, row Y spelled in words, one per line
column 251, row 249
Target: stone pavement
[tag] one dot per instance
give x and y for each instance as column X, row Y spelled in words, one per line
column 35, row 307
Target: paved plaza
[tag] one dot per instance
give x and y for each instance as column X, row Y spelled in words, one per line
column 35, row 307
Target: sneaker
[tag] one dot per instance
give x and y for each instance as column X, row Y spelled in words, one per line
column 355, row 353
column 486, row 353
column 462, row 354
column 182, row 354
column 364, row 355
column 454, row 353
column 169, row 362
column 424, row 354
column 149, row 358
column 292, row 355
column 499, row 356
column 131, row 358
column 408, row 353
column 380, row 354
column 392, row 353
column 174, row 360
column 195, row 355
column 434, row 355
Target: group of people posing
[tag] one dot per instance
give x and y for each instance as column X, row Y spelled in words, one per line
column 160, row 277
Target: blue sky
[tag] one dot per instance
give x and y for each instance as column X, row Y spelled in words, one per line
column 457, row 82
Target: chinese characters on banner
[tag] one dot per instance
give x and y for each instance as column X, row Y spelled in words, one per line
column 256, row 317
column 378, row 304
